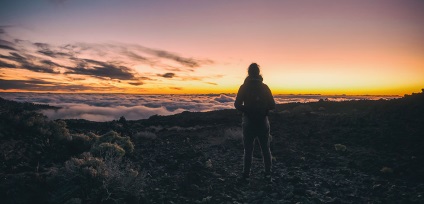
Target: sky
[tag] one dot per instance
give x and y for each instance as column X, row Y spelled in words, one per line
column 198, row 46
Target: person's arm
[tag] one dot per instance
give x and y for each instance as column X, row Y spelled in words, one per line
column 271, row 102
column 238, row 104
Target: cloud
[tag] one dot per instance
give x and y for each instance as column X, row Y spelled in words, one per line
column 39, row 85
column 2, row 28
column 102, row 70
column 167, row 75
column 121, row 62
column 47, row 50
column 50, row 63
column 211, row 83
column 13, row 56
column 156, row 57
column 95, row 113
column 104, row 107
column 201, row 78
column 43, row 46
column 224, row 99
column 6, row 65
column 136, row 83
column 133, row 55
column 189, row 62
column 24, row 63
column 6, row 45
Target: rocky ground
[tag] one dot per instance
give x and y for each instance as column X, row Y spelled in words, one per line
column 201, row 165
column 324, row 152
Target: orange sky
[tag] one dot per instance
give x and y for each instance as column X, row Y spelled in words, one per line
column 325, row 47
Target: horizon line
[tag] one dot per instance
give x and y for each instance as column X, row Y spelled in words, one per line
column 296, row 94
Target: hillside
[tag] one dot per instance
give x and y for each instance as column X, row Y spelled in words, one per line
column 324, row 152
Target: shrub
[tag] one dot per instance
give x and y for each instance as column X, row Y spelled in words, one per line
column 79, row 143
column 114, row 138
column 40, row 140
column 59, row 130
column 80, row 137
column 340, row 147
column 108, row 149
column 86, row 166
column 93, row 136
column 145, row 134
column 97, row 180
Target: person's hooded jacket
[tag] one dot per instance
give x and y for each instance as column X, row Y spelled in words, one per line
column 254, row 98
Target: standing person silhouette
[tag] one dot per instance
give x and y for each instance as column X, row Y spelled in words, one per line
column 254, row 100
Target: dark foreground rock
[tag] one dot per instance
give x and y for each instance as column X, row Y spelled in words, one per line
column 324, row 152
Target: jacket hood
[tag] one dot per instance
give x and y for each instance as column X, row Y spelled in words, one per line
column 253, row 79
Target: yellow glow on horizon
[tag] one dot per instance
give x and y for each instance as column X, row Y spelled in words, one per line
column 280, row 82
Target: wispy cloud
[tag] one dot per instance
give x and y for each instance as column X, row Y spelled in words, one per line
column 211, row 83
column 6, row 45
column 167, row 75
column 6, row 65
column 136, row 83
column 201, row 78
column 46, row 50
column 101, row 70
column 50, row 63
column 25, row 62
column 101, row 61
column 188, row 62
column 40, row 85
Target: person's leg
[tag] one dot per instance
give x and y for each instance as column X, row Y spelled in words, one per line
column 264, row 141
column 248, row 141
column 248, row 153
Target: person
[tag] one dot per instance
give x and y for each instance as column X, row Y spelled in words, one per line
column 254, row 99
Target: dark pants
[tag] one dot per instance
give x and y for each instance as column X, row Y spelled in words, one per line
column 258, row 128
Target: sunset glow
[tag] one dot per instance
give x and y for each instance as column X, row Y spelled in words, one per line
column 352, row 47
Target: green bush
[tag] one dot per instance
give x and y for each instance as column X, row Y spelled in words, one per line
column 114, row 138
column 41, row 140
column 96, row 180
column 79, row 143
column 108, row 149
column 34, row 145
column 86, row 166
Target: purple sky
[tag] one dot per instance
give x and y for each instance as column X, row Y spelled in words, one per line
column 303, row 46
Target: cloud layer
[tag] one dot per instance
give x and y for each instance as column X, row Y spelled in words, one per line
column 106, row 107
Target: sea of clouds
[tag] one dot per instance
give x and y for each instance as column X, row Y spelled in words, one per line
column 107, row 107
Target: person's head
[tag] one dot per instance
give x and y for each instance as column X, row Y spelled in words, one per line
column 253, row 69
